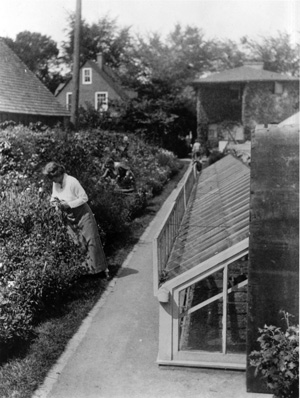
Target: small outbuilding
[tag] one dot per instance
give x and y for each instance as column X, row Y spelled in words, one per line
column 232, row 102
column 23, row 97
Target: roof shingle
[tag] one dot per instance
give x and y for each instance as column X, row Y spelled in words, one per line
column 21, row 91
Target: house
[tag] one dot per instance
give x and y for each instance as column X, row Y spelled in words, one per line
column 231, row 103
column 23, row 97
column 98, row 86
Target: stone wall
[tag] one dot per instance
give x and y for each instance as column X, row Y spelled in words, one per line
column 264, row 107
column 261, row 104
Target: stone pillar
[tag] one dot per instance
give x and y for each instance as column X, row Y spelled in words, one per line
column 202, row 122
column 274, row 235
column 244, row 118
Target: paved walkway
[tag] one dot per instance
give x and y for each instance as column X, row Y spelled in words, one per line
column 113, row 355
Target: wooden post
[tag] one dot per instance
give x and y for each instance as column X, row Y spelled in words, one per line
column 76, row 67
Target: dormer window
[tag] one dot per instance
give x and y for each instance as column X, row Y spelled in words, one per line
column 86, row 75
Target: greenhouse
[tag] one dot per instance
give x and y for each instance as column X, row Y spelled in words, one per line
column 201, row 270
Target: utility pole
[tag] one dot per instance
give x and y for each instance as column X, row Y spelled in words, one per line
column 75, row 93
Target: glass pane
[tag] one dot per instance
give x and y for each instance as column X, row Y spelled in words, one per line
column 202, row 329
column 237, row 307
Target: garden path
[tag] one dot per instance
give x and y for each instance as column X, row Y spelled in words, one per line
column 113, row 355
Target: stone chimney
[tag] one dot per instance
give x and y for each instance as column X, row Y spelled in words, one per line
column 100, row 60
column 254, row 64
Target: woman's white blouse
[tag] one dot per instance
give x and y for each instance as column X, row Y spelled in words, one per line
column 70, row 191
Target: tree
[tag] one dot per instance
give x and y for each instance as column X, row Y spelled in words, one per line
column 102, row 37
column 277, row 53
column 39, row 53
column 226, row 54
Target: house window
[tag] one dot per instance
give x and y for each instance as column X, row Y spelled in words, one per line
column 86, row 75
column 101, row 101
column 68, row 101
column 278, row 88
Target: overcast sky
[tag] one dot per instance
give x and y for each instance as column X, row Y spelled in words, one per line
column 223, row 19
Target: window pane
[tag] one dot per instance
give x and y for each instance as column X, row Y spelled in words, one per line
column 102, row 101
column 202, row 329
column 87, row 75
column 237, row 307
column 69, row 101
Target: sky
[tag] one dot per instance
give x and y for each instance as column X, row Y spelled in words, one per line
column 222, row 19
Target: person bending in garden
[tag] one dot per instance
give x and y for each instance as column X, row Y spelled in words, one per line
column 68, row 193
column 120, row 172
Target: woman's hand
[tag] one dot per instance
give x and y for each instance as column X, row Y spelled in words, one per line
column 64, row 205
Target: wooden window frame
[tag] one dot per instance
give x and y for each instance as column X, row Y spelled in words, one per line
column 87, row 78
column 104, row 106
column 169, row 322
column 69, row 100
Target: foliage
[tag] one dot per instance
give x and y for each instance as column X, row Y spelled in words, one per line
column 277, row 53
column 158, row 69
column 278, row 359
column 23, row 153
column 39, row 53
column 103, row 36
column 39, row 261
column 89, row 117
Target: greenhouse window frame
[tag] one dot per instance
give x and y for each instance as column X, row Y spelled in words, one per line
column 169, row 317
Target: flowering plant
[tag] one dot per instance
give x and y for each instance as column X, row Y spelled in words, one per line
column 278, row 359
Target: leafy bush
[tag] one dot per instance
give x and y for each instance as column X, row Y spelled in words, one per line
column 38, row 261
column 278, row 359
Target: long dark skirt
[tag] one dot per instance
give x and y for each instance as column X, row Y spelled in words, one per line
column 84, row 231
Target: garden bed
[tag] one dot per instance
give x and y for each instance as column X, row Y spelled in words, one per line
column 44, row 299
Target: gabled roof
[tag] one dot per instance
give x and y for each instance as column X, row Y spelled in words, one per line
column 111, row 78
column 108, row 75
column 21, row 91
column 244, row 74
column 218, row 217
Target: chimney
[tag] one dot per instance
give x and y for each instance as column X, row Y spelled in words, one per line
column 100, row 60
column 254, row 64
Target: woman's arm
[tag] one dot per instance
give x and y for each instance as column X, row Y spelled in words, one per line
column 80, row 196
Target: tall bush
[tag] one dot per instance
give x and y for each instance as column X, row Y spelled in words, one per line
column 39, row 261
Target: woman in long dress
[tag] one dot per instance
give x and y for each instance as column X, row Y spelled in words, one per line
column 68, row 192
